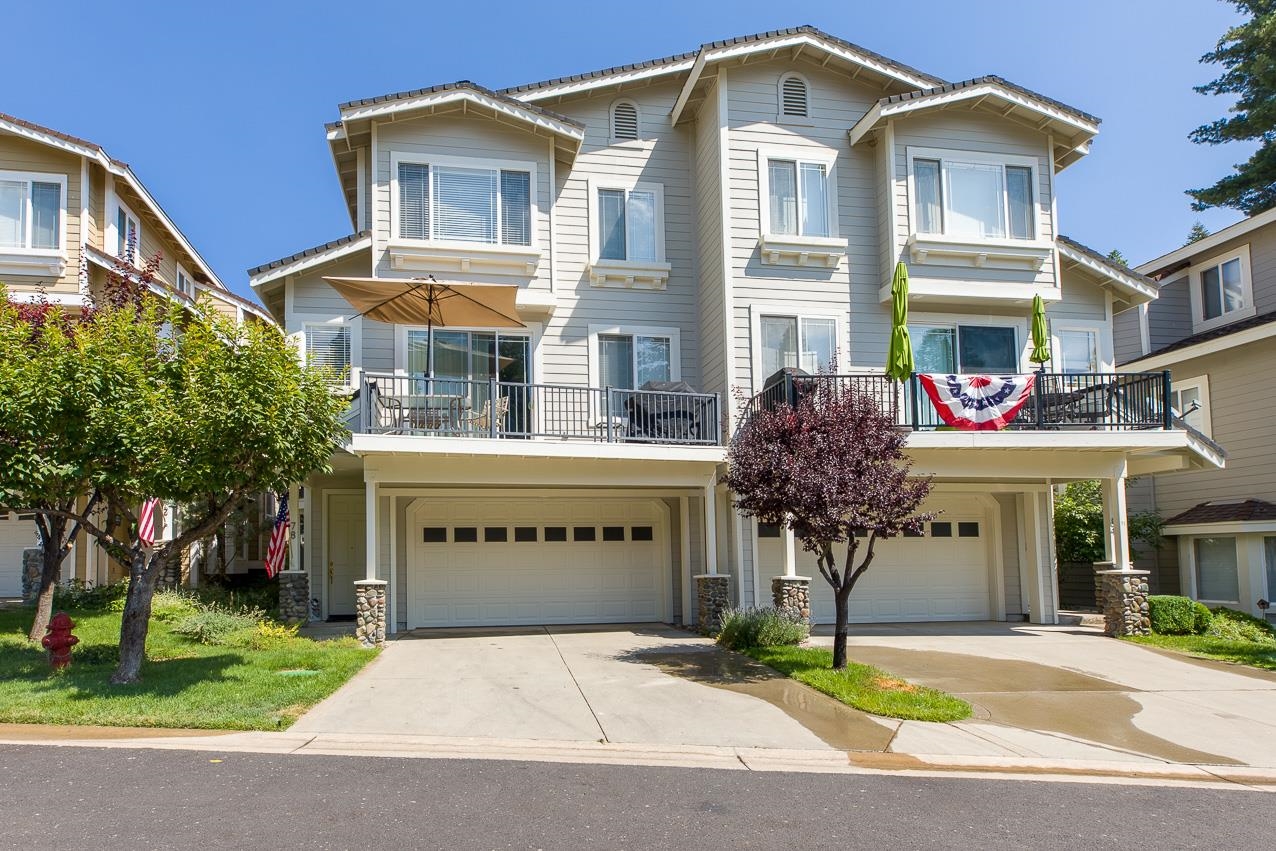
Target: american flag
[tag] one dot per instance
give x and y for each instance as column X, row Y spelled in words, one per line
column 278, row 539
column 146, row 522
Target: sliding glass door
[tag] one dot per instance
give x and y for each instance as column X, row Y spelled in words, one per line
column 466, row 361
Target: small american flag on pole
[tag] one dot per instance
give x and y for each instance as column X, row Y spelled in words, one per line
column 146, row 522
column 278, row 539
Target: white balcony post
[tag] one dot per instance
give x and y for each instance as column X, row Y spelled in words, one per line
column 710, row 530
column 1116, row 522
column 370, row 532
column 788, row 551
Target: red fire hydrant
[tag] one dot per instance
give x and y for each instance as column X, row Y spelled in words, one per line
column 59, row 641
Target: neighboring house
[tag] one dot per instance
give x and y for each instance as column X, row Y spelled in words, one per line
column 707, row 218
column 1214, row 328
column 70, row 214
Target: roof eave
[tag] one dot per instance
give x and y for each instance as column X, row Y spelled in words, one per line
column 1136, row 291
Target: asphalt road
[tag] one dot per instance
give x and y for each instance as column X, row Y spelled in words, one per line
column 66, row 798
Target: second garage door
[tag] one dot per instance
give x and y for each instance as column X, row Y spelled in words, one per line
column 17, row 533
column 491, row 562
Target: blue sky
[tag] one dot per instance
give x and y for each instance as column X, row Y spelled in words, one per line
column 220, row 106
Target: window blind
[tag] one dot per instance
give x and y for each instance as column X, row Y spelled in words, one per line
column 465, row 204
column 783, row 186
column 13, row 213
column 611, row 224
column 46, row 213
column 516, row 208
column 414, row 201
column 328, row 347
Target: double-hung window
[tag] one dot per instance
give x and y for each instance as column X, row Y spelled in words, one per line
column 462, row 203
column 1221, row 289
column 128, row 235
column 971, row 196
column 184, row 284
column 806, row 342
column 328, row 347
column 965, row 349
column 32, row 207
column 797, row 197
column 628, row 361
column 629, row 224
column 1079, row 351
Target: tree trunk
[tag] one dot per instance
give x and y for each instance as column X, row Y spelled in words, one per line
column 841, row 601
column 54, row 550
column 143, row 575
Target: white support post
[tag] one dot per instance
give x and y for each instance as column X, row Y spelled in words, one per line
column 788, row 551
column 370, row 532
column 1117, row 521
column 294, row 539
column 710, row 530
column 684, row 544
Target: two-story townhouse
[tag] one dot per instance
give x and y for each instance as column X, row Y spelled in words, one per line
column 70, row 215
column 709, row 218
column 1214, row 327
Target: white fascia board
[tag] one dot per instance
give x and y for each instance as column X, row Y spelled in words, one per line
column 1129, row 441
column 1139, row 291
column 697, row 68
column 400, row 444
column 50, row 140
column 310, row 262
column 1231, row 527
column 380, row 110
column 940, row 99
column 1208, row 347
column 809, row 40
column 66, row 299
column 618, row 79
column 1209, row 243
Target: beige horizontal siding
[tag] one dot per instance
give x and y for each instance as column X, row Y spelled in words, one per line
column 17, row 154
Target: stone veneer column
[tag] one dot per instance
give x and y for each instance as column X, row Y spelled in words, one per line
column 792, row 595
column 1125, row 602
column 294, row 596
column 1101, row 583
column 712, row 600
column 369, row 612
column 32, row 567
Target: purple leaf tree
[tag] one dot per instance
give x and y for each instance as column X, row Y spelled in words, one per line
column 832, row 469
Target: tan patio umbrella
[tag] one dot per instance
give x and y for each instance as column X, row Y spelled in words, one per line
column 428, row 302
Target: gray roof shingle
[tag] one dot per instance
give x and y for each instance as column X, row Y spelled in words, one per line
column 986, row 79
column 458, row 85
column 308, row 252
column 1213, row 334
column 1225, row 512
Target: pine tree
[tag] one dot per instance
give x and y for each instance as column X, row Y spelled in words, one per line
column 1247, row 53
column 1197, row 233
column 1116, row 256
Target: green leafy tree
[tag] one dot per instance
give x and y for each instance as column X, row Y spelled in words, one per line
column 1078, row 524
column 1197, row 233
column 1247, row 53
column 181, row 406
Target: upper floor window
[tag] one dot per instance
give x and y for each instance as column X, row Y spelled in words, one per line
column 629, row 357
column 184, row 283
column 624, row 121
column 1221, row 289
column 1190, row 400
column 798, row 197
column 793, row 96
column 630, row 223
column 967, row 195
column 128, row 234
column 461, row 203
column 806, row 342
column 31, row 210
column 328, row 346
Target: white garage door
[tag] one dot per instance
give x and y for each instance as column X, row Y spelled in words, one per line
column 941, row 576
column 489, row 562
column 16, row 534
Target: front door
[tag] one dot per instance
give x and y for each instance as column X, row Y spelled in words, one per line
column 346, row 551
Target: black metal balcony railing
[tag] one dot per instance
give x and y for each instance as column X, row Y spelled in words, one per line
column 1092, row 401
column 445, row 407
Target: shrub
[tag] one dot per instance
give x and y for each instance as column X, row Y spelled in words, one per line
column 270, row 635
column 1231, row 625
column 212, row 626
column 168, row 606
column 261, row 598
column 85, row 596
column 1177, row 615
column 766, row 627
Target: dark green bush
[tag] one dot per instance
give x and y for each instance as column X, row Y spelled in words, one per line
column 1177, row 615
column 257, row 597
column 760, row 628
column 85, row 596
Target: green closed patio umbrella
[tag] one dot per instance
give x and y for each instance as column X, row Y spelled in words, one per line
column 899, row 358
column 1040, row 335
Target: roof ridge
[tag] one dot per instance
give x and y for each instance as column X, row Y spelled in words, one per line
column 456, row 85
column 985, row 79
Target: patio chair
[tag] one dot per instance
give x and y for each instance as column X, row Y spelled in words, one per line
column 482, row 421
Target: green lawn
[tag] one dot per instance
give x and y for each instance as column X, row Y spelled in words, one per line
column 1252, row 653
column 234, row 686
column 862, row 686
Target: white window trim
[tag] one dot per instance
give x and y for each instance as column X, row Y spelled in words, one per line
column 757, row 311
column 638, row 274
column 177, row 278
column 780, row 116
column 799, row 249
column 675, row 347
column 532, row 331
column 40, row 177
column 952, row 320
column 1102, row 332
column 113, row 232
column 982, row 158
column 1240, row 577
column 397, row 157
column 1196, row 297
column 1200, row 383
column 356, row 340
column 611, row 120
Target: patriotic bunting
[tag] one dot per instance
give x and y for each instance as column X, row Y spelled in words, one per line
column 977, row 402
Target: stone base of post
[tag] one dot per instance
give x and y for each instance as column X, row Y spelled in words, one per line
column 1100, row 584
column 369, row 612
column 294, row 597
column 1125, row 602
column 32, row 568
column 712, row 600
column 792, row 595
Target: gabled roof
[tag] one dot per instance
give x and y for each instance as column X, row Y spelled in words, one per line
column 1132, row 287
column 117, row 168
column 1245, row 511
column 677, row 63
column 1258, row 324
column 1073, row 127
column 1180, row 257
column 309, row 257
